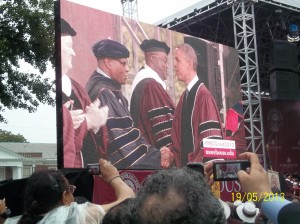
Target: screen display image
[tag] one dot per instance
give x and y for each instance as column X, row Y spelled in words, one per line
column 101, row 55
column 227, row 170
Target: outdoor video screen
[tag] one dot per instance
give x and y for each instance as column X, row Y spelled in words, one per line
column 93, row 88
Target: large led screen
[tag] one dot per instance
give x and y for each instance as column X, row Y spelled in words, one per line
column 93, row 60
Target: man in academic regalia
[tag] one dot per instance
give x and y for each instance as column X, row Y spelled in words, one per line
column 151, row 107
column 196, row 115
column 81, row 118
column 123, row 145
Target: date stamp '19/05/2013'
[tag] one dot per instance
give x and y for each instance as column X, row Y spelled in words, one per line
column 255, row 197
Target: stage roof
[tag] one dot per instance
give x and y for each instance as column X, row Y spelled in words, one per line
column 212, row 20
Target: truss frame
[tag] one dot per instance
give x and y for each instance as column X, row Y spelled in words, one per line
column 245, row 43
column 130, row 9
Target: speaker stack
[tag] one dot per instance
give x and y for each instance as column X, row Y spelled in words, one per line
column 284, row 71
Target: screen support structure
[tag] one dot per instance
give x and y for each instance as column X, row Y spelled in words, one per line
column 129, row 8
column 245, row 43
column 191, row 16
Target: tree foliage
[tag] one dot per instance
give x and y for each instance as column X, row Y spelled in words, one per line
column 26, row 33
column 7, row 136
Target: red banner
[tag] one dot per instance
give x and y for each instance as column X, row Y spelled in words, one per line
column 103, row 192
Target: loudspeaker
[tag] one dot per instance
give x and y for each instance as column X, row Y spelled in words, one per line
column 284, row 85
column 283, row 55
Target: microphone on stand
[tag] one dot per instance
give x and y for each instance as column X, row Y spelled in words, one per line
column 268, row 161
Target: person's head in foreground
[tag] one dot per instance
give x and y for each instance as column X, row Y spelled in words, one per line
column 45, row 190
column 120, row 213
column 177, row 196
column 49, row 198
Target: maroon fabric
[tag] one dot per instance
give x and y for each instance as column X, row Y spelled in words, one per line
column 235, row 130
column 68, row 138
column 204, row 109
column 154, row 100
column 75, row 137
column 103, row 193
column 229, row 190
column 281, row 121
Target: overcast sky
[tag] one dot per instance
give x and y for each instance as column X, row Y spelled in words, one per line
column 149, row 11
column 40, row 127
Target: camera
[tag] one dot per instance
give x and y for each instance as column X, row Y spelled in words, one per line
column 197, row 166
column 94, row 169
column 227, row 170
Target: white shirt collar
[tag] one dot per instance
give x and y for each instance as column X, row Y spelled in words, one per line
column 66, row 85
column 192, row 83
column 145, row 73
column 99, row 70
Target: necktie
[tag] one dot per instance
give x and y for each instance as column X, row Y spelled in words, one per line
column 186, row 140
column 186, row 98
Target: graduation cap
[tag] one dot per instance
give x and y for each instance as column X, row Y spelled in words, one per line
column 65, row 28
column 154, row 45
column 110, row 48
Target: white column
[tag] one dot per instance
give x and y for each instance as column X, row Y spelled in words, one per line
column 17, row 172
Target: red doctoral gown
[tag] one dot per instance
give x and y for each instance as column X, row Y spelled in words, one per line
column 152, row 111
column 195, row 120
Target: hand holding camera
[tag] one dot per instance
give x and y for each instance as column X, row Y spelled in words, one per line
column 228, row 170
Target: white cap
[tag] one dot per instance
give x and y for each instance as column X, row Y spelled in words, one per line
column 247, row 211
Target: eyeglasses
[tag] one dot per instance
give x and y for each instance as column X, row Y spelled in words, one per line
column 124, row 63
column 71, row 188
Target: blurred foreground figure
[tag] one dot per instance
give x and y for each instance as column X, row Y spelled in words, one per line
column 177, row 196
column 49, row 198
column 276, row 208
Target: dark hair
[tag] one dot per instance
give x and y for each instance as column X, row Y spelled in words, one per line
column 66, row 28
column 120, row 213
column 177, row 196
column 80, row 200
column 44, row 190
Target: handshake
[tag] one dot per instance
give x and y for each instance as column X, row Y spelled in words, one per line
column 167, row 157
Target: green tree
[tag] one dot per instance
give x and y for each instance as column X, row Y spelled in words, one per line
column 26, row 32
column 7, row 136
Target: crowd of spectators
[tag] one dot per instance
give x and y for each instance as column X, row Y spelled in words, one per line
column 174, row 195
column 292, row 187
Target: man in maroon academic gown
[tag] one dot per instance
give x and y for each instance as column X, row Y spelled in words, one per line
column 196, row 115
column 81, row 118
column 151, row 107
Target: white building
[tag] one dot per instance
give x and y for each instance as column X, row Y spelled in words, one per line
column 19, row 160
